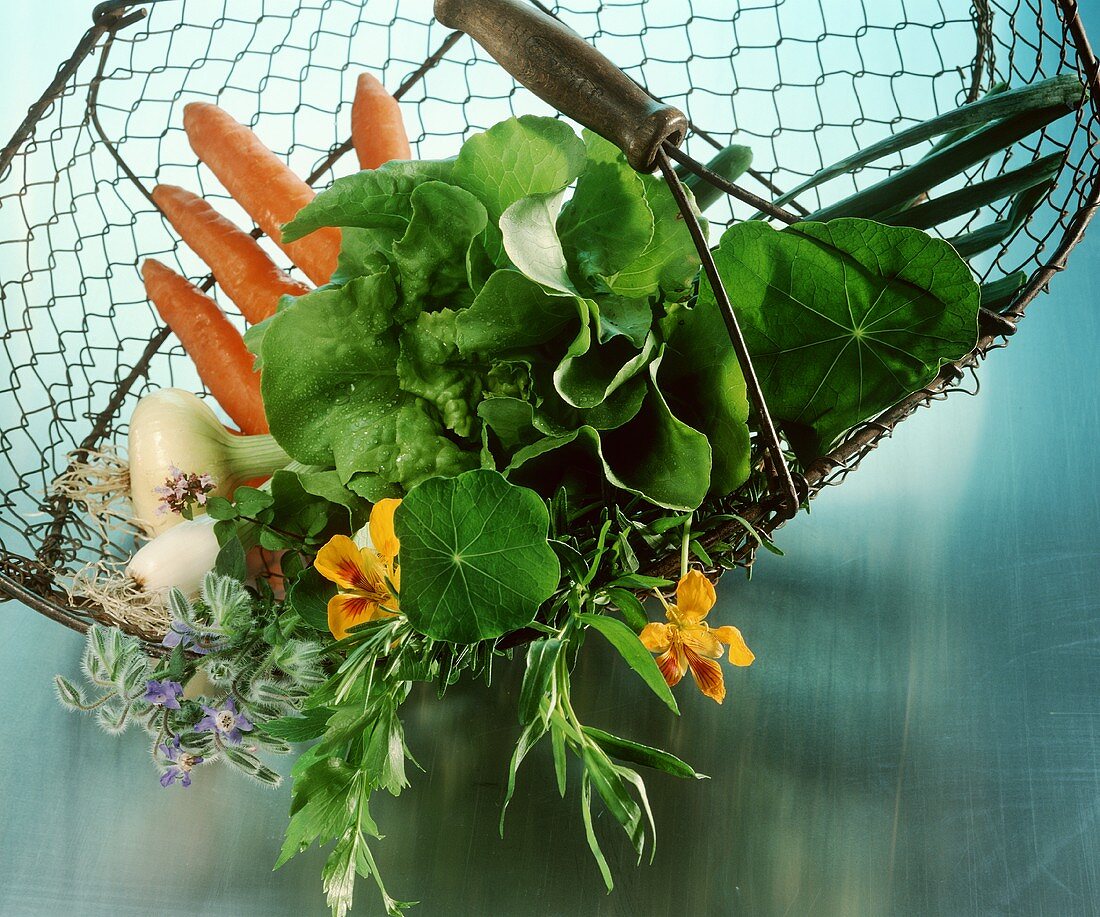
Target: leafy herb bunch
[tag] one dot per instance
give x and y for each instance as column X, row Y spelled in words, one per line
column 245, row 664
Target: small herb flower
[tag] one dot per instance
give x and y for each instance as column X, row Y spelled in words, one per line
column 368, row 577
column 163, row 693
column 181, row 489
column 224, row 721
column 180, row 632
column 687, row 641
column 180, row 764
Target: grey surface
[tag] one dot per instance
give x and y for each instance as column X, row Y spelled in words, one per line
column 918, row 735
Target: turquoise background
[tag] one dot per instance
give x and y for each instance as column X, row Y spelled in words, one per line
column 919, row 734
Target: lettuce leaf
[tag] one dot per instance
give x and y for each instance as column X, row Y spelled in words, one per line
column 377, row 200
column 473, row 319
column 608, row 224
column 670, row 263
column 333, row 392
column 515, row 159
column 702, row 380
column 374, row 208
column 513, row 313
column 432, row 264
column 654, row 455
column 623, row 232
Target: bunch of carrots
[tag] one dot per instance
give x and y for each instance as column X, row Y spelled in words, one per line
column 271, row 194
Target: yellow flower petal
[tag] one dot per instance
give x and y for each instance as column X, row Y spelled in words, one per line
column 707, row 674
column 672, row 665
column 346, row 565
column 345, row 611
column 655, row 637
column 701, row 639
column 694, row 597
column 740, row 654
column 382, row 535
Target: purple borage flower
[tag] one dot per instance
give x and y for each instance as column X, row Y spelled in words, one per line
column 163, row 693
column 224, row 721
column 180, row 763
column 182, row 632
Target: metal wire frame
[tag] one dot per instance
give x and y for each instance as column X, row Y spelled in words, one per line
column 834, row 467
column 32, row 580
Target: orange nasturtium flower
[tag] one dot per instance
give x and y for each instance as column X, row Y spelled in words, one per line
column 688, row 642
column 362, row 573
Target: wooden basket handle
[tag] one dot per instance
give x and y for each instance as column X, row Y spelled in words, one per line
column 563, row 70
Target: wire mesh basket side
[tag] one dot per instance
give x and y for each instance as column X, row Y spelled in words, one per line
column 82, row 344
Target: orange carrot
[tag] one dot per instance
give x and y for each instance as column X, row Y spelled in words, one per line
column 216, row 347
column 261, row 183
column 243, row 269
column 377, row 131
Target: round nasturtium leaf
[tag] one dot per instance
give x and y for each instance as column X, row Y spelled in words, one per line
column 475, row 562
column 844, row 319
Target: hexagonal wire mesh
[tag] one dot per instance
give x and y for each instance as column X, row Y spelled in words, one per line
column 803, row 82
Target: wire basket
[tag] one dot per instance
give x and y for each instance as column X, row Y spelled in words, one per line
column 803, row 82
